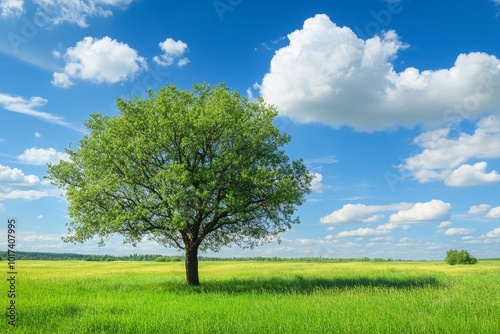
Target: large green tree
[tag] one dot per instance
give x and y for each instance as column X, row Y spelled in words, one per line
column 195, row 170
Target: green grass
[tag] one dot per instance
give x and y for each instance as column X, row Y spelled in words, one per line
column 256, row 297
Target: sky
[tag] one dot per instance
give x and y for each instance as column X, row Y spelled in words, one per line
column 393, row 105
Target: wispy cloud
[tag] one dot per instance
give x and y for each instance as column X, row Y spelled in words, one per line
column 77, row 12
column 497, row 5
column 21, row 105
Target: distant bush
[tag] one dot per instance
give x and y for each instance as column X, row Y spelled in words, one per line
column 462, row 257
column 160, row 259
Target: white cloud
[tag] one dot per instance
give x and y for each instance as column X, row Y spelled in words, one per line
column 471, row 175
column 478, row 209
column 494, row 213
column 62, row 80
column 249, row 93
column 323, row 161
column 329, row 75
column 443, row 158
column 15, row 177
column 41, row 238
column 362, row 232
column 444, row 224
column 99, row 61
column 48, row 238
column 76, row 11
column 421, row 212
column 388, row 227
column 316, row 185
column 23, row 194
column 360, row 213
column 172, row 51
column 494, row 234
column 40, row 156
column 14, row 184
column 302, row 241
column 183, row 61
column 381, row 239
column 458, row 231
column 37, row 134
column 11, row 8
column 23, row 106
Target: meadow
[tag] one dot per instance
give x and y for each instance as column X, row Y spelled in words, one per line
column 256, row 297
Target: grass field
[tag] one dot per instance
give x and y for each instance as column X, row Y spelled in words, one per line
column 256, row 297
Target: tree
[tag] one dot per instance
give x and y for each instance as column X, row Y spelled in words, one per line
column 462, row 257
column 194, row 170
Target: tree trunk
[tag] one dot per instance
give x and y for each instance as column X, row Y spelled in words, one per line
column 192, row 266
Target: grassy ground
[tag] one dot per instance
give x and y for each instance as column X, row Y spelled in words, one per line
column 256, row 297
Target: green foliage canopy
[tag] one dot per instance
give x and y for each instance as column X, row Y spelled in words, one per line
column 193, row 170
column 459, row 257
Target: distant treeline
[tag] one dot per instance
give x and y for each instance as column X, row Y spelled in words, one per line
column 87, row 257
column 163, row 258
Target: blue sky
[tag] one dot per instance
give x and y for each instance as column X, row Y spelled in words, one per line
column 393, row 105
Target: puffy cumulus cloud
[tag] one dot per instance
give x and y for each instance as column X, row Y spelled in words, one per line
column 495, row 234
column 494, row 213
column 329, row 75
column 480, row 209
column 15, row 177
column 99, row 61
column 173, row 51
column 76, row 12
column 471, row 175
column 488, row 238
column 444, row 158
column 360, row 213
column 11, row 8
column 406, row 214
column 421, row 212
column 15, row 184
column 458, row 231
column 444, row 224
column 41, row 156
column 391, row 226
column 61, row 80
column 316, row 183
